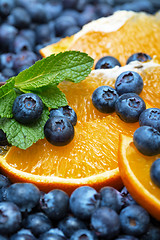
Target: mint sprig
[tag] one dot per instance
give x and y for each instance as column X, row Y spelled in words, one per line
column 42, row 79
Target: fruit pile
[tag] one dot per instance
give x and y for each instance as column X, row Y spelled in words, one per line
column 90, row 212
column 27, row 213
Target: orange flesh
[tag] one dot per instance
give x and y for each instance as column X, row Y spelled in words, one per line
column 140, row 166
column 151, row 90
column 93, row 150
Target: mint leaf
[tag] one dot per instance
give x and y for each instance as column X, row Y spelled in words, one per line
column 53, row 97
column 7, row 87
column 6, row 103
column 70, row 65
column 23, row 136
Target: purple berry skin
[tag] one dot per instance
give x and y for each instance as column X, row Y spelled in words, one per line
column 142, row 57
column 59, row 131
column 134, row 220
column 10, row 217
column 107, row 62
column 105, row 222
column 27, row 108
column 129, row 81
column 150, row 117
column 129, row 106
column 147, row 140
column 104, row 99
column 155, row 172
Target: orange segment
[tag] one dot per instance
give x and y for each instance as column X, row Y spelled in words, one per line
column 135, row 172
column 139, row 33
column 151, row 90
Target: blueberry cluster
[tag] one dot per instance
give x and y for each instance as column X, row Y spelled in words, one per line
column 26, row 213
column 28, row 25
column 130, row 107
column 59, row 129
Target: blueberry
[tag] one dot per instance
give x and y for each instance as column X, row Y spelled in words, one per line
column 54, row 9
column 134, row 220
column 150, row 117
column 129, row 106
column 20, row 44
column 126, row 237
column 83, row 202
column 6, row 7
column 10, row 218
column 153, row 232
column 83, row 234
column 67, row 112
column 62, row 23
column 71, row 12
column 51, row 26
column 7, row 60
column 43, row 33
column 37, row 12
column 38, row 223
column 3, row 237
column 53, row 234
column 4, row 181
column 71, row 224
column 105, row 222
column 24, row 58
column 25, row 195
column 141, row 57
column 69, row 3
column 107, row 62
column 71, row 31
column 30, row 35
column 23, row 234
column 155, row 172
column 147, row 140
column 104, row 98
column 8, row 73
column 103, row 10
column 111, row 198
column 27, row 108
column 127, row 199
column 3, row 138
column 7, row 35
column 2, row 78
column 55, row 204
column 59, row 131
column 87, row 15
column 143, row 5
column 81, row 5
column 129, row 82
column 19, row 18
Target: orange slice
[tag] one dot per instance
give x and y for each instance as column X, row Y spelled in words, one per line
column 119, row 35
column 90, row 159
column 135, row 172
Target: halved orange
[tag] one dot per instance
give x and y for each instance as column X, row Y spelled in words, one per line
column 135, row 172
column 119, row 35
